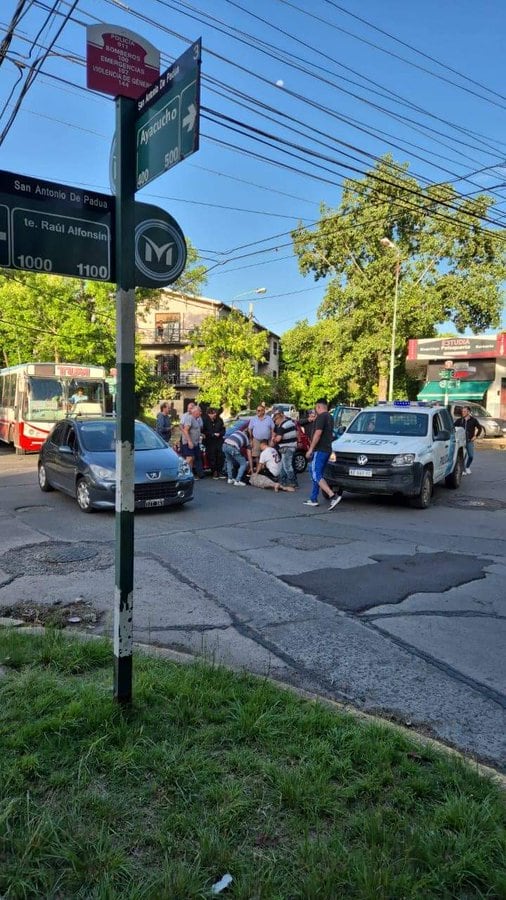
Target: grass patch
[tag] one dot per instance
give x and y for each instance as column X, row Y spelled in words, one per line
column 211, row 772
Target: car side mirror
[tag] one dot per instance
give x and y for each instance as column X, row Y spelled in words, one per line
column 341, row 430
column 443, row 435
column 64, row 448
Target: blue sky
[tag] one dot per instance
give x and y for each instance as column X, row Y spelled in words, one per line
column 237, row 209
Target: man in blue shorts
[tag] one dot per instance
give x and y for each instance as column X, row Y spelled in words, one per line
column 318, row 453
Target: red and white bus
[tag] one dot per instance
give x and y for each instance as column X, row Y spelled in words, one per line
column 33, row 396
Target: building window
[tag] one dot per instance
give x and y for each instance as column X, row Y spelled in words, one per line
column 274, row 347
column 167, row 327
column 274, row 374
column 169, row 368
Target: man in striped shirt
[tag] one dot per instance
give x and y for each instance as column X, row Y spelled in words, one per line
column 234, row 446
column 285, row 440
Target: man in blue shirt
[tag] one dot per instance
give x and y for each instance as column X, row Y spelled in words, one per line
column 260, row 428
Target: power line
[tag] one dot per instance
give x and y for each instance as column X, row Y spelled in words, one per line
column 414, row 49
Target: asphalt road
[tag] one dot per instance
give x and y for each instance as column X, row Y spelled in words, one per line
column 396, row 611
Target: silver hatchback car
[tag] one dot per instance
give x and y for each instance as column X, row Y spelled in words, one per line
column 79, row 458
column 490, row 425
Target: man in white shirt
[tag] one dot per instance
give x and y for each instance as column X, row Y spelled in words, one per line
column 268, row 469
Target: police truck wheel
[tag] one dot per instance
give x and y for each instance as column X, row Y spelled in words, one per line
column 454, row 478
column 422, row 500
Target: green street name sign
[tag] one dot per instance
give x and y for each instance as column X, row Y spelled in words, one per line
column 167, row 125
column 446, row 373
column 54, row 228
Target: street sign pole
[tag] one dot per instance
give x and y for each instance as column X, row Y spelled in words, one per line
column 125, row 341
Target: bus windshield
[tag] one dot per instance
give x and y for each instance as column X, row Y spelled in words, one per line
column 44, row 400
column 49, row 399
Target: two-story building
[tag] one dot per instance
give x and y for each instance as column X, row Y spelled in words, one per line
column 164, row 330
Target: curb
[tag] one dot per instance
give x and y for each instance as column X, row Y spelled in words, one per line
column 189, row 659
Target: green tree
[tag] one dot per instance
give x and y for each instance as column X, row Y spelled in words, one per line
column 224, row 350
column 49, row 317
column 451, row 267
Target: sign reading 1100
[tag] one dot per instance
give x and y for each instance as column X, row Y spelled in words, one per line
column 53, row 228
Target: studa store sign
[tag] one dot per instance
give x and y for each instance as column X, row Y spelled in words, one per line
column 484, row 345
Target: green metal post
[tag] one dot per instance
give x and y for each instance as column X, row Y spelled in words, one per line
column 125, row 408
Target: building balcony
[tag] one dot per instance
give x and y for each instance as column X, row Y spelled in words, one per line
column 165, row 336
column 182, row 379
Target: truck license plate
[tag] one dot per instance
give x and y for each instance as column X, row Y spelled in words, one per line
column 360, row 473
column 159, row 502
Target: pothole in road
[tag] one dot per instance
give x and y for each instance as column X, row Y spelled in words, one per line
column 41, row 506
column 57, row 558
column 308, row 541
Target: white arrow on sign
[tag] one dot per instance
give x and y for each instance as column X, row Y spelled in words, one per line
column 189, row 119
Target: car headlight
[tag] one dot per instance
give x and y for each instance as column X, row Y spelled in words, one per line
column 403, row 459
column 332, row 457
column 102, row 473
column 183, row 469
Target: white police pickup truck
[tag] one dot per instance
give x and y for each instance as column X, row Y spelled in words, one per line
column 398, row 448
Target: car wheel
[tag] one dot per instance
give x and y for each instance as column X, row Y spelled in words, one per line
column 299, row 463
column 454, row 478
column 43, row 479
column 422, row 500
column 83, row 496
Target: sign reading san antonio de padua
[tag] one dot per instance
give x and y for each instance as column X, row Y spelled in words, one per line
column 54, row 228
column 119, row 62
column 167, row 126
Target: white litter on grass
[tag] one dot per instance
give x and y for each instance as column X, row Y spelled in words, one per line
column 73, row 620
column 222, row 884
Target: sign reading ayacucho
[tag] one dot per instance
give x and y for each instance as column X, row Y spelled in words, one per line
column 119, row 62
column 167, row 125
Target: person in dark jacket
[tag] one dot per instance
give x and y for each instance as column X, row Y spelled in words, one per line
column 163, row 422
column 214, row 431
column 473, row 430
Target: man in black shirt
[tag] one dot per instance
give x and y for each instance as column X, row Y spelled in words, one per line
column 473, row 430
column 318, row 453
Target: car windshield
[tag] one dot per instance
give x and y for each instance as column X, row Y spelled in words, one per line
column 409, row 424
column 100, row 437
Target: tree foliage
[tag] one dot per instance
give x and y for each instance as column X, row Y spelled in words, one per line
column 49, row 317
column 224, row 350
column 451, row 269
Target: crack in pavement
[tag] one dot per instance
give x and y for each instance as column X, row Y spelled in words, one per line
column 444, row 614
column 487, row 692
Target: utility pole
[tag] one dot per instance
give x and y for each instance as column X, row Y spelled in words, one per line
column 125, row 343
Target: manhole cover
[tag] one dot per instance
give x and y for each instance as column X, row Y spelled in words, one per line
column 59, row 553
column 482, row 503
column 57, row 558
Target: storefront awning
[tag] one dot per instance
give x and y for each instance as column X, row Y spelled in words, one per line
column 464, row 390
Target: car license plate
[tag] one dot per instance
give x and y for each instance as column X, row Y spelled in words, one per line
column 360, row 473
column 159, row 502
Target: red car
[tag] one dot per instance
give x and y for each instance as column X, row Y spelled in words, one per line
column 303, row 442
